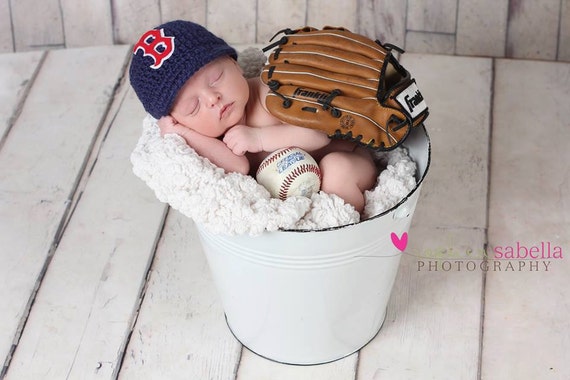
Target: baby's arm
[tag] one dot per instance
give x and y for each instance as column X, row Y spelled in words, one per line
column 209, row 147
column 274, row 134
column 241, row 138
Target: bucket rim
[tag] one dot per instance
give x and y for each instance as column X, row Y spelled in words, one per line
column 402, row 201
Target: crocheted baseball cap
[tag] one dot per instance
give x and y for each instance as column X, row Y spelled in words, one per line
column 165, row 57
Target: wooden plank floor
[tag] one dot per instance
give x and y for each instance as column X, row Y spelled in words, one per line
column 100, row 280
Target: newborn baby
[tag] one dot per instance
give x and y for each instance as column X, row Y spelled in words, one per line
column 189, row 80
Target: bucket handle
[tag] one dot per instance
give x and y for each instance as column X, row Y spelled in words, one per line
column 401, row 212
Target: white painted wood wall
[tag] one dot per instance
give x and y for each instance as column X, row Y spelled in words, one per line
column 498, row 28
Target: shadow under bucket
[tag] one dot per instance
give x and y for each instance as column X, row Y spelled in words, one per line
column 306, row 298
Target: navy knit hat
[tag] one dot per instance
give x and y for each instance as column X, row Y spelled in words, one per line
column 165, row 57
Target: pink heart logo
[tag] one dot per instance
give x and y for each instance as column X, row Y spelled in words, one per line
column 400, row 243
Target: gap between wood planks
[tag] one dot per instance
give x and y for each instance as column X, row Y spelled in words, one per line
column 486, row 230
column 18, row 109
column 142, row 294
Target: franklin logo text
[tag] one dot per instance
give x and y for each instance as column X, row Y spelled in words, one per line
column 310, row 94
column 413, row 101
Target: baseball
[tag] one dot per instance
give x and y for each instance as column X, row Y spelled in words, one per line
column 289, row 172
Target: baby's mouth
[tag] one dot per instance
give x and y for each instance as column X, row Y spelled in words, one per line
column 225, row 109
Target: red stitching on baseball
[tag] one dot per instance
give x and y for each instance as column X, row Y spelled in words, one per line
column 290, row 178
column 270, row 159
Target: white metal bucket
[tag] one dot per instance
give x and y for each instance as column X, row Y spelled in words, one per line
column 313, row 297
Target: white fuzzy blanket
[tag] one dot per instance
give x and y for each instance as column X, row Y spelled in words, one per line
column 232, row 203
column 236, row 204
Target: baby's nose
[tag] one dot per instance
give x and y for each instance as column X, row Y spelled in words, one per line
column 214, row 98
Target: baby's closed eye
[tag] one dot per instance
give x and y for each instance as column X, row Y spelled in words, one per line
column 215, row 78
column 192, row 107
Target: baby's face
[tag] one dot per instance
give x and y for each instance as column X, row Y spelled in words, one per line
column 213, row 99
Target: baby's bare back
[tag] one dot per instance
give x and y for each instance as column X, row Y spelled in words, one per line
column 256, row 114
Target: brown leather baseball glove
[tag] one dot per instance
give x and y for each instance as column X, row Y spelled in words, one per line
column 344, row 84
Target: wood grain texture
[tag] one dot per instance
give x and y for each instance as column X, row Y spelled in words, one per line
column 517, row 28
column 432, row 328
column 192, row 10
column 431, row 43
column 532, row 30
column 134, row 17
column 527, row 310
column 89, row 296
column 332, row 13
column 481, row 27
column 181, row 332
column 276, row 15
column 564, row 37
column 233, row 21
column 40, row 164
column 459, row 109
column 16, row 74
column 384, row 20
column 6, row 36
column 432, row 15
column 432, row 325
column 87, row 23
column 37, row 24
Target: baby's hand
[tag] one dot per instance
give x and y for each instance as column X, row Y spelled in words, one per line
column 167, row 124
column 241, row 139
